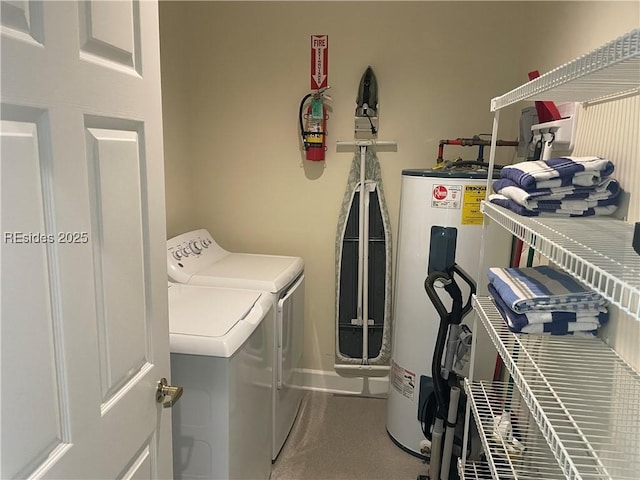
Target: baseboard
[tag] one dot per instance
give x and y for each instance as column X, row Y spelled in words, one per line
column 330, row 381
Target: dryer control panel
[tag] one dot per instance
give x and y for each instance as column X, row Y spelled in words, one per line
column 194, row 247
column 190, row 252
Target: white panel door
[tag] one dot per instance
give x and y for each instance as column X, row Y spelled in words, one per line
column 84, row 337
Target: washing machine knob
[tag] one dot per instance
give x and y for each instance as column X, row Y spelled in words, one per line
column 195, row 247
column 186, row 252
column 206, row 242
column 177, row 254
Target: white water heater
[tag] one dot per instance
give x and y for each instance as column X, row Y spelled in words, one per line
column 431, row 199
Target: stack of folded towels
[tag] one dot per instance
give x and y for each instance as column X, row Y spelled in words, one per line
column 544, row 299
column 566, row 186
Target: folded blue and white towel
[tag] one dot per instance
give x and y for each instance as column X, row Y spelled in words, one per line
column 554, row 328
column 608, row 190
column 542, row 288
column 554, row 210
column 549, row 322
column 573, row 205
column 558, row 172
column 561, row 329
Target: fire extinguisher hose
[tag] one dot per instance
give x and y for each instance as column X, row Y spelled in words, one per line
column 304, row 99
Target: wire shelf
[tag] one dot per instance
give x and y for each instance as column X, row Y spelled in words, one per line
column 531, row 458
column 474, row 471
column 596, row 251
column 583, row 396
column 607, row 71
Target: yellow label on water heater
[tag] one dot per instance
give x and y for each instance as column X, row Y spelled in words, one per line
column 473, row 195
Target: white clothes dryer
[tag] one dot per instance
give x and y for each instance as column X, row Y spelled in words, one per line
column 221, row 354
column 194, row 258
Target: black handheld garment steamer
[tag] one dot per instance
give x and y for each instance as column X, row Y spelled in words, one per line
column 447, row 397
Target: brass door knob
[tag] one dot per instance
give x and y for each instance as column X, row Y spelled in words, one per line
column 165, row 390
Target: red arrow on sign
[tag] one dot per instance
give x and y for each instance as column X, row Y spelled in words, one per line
column 319, row 61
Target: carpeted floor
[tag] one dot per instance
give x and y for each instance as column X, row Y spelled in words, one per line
column 343, row 437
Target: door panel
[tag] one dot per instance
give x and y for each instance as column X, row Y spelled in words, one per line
column 22, row 19
column 141, row 467
column 119, row 249
column 83, row 312
column 109, row 33
column 28, row 299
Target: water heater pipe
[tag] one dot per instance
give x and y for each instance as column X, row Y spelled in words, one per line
column 471, row 142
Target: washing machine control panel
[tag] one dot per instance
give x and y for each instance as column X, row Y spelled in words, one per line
column 190, row 252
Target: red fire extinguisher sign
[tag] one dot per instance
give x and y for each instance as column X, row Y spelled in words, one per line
column 319, row 61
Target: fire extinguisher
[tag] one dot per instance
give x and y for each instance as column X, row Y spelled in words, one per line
column 313, row 125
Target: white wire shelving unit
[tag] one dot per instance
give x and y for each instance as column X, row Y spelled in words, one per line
column 609, row 71
column 582, row 396
column 473, row 471
column 530, row 458
column 596, row 251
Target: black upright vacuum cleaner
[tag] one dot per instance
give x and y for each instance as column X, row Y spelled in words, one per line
column 447, row 399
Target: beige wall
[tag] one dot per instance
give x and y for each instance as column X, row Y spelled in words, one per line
column 176, row 82
column 575, row 28
column 234, row 74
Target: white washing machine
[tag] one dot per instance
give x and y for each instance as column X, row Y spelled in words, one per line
column 194, row 258
column 221, row 354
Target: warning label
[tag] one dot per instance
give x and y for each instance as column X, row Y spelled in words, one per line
column 446, row 196
column 403, row 380
column 473, row 195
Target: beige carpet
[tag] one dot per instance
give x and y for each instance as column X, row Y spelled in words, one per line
column 343, row 437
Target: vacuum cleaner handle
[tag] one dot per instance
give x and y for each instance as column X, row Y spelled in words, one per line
column 453, row 317
column 429, row 287
column 458, row 310
column 439, row 384
column 456, row 313
column 472, row 289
